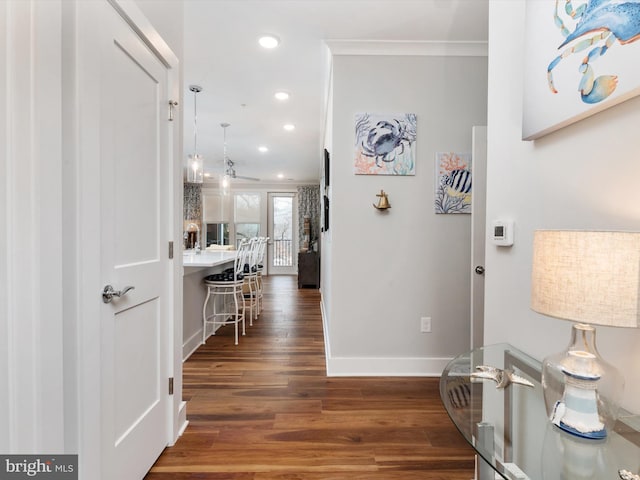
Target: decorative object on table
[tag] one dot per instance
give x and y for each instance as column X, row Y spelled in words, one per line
column 383, row 201
column 627, row 475
column 579, row 60
column 503, row 378
column 593, row 278
column 453, row 183
column 307, row 233
column 192, row 237
column 385, row 144
column 195, row 162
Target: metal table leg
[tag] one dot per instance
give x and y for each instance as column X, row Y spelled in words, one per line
column 486, row 443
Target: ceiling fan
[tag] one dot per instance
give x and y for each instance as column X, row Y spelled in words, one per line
column 229, row 171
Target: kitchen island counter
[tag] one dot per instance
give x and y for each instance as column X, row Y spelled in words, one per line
column 206, row 259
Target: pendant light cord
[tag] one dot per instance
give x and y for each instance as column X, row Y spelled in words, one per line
column 195, row 89
column 195, row 124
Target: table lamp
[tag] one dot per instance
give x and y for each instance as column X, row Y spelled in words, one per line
column 592, row 278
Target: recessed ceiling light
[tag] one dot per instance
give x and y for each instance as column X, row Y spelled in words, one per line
column 263, row 149
column 289, row 127
column 282, row 96
column 269, row 41
column 281, row 175
column 207, row 175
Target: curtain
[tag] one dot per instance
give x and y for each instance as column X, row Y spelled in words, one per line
column 192, row 207
column 309, row 206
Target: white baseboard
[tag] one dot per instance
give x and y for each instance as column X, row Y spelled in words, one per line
column 182, row 420
column 385, row 367
column 325, row 332
column 191, row 345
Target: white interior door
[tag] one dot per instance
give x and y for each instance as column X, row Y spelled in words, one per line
column 134, row 199
column 282, row 251
column 478, row 232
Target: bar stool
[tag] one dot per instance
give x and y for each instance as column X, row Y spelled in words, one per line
column 226, row 288
column 260, row 267
column 250, row 271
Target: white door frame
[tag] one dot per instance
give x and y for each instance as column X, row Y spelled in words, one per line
column 82, row 147
column 274, row 270
column 478, row 234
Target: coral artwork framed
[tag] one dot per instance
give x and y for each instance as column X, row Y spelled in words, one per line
column 581, row 57
column 385, row 144
column 453, row 183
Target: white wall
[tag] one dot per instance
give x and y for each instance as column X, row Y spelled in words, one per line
column 325, row 237
column 584, row 176
column 389, row 269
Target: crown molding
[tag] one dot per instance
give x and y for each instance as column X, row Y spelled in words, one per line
column 418, row 48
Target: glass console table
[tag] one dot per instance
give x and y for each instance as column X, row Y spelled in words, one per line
column 510, row 431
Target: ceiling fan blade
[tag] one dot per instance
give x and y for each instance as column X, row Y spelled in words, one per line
column 247, row 178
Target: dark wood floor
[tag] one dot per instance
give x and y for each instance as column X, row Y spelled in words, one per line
column 265, row 409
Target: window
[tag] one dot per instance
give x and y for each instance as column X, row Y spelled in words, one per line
column 246, row 215
column 216, row 220
column 246, row 231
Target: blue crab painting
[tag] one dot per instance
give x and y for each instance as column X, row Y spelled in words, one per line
column 596, row 26
column 385, row 144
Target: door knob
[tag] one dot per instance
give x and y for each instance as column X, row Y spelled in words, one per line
column 480, row 270
column 108, row 293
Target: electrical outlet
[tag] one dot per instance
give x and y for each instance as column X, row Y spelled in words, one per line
column 425, row 324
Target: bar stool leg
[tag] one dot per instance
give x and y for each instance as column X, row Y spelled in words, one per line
column 243, row 311
column 236, row 317
column 204, row 316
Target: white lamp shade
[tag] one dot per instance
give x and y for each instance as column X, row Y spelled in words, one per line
column 587, row 276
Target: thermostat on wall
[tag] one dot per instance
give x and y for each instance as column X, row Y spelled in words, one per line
column 502, row 233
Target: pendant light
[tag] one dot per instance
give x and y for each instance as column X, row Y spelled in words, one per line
column 225, row 178
column 195, row 162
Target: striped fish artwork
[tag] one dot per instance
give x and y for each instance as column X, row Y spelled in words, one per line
column 459, row 183
column 459, row 393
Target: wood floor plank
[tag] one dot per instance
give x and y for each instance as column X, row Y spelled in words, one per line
column 265, row 409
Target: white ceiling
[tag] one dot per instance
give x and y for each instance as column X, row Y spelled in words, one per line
column 239, row 78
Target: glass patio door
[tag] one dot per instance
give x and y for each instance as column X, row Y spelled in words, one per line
column 283, row 233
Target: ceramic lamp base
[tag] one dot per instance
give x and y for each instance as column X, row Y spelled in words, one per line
column 597, row 435
column 581, row 390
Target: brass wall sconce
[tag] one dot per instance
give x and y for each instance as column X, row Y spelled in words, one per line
column 383, row 201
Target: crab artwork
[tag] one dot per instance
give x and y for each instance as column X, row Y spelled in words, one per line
column 385, row 144
column 596, row 26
